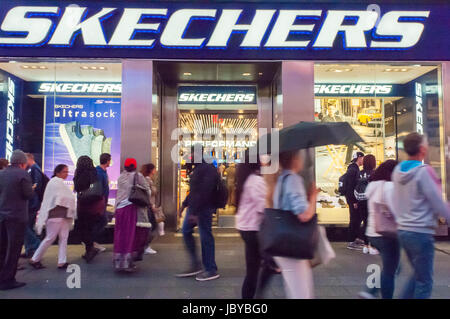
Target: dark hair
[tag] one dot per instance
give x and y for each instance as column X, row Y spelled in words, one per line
column 412, row 143
column 105, row 158
column 130, row 168
column 286, row 158
column 369, row 162
column 146, row 169
column 58, row 169
column 243, row 171
column 85, row 173
column 384, row 171
column 3, row 163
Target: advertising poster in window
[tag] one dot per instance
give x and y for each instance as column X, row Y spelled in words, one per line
column 77, row 126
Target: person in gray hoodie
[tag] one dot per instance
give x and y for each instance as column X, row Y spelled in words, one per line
column 418, row 204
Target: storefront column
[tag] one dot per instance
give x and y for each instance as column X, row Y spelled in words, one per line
column 297, row 82
column 136, row 128
column 446, row 107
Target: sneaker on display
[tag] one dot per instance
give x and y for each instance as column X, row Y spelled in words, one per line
column 76, row 143
column 365, row 250
column 359, row 242
column 373, row 251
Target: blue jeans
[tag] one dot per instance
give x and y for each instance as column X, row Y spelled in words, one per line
column 389, row 249
column 204, row 222
column 31, row 240
column 419, row 248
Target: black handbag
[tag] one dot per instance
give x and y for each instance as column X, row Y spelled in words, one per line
column 139, row 194
column 283, row 234
column 92, row 194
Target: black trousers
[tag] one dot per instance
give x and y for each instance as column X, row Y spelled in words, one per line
column 86, row 227
column 355, row 222
column 12, row 234
column 363, row 213
column 258, row 271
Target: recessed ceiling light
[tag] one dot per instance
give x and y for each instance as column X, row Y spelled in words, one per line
column 404, row 70
column 34, row 67
column 101, row 68
column 25, row 67
column 246, row 74
column 339, row 70
column 241, row 111
column 187, row 73
column 260, row 73
column 85, row 68
column 43, row 67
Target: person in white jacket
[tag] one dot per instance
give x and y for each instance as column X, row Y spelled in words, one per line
column 58, row 210
column 379, row 190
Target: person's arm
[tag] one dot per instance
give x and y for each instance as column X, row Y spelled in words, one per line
column 430, row 187
column 352, row 180
column 258, row 192
column 301, row 206
column 27, row 188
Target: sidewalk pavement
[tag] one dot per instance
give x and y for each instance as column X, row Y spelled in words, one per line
column 344, row 277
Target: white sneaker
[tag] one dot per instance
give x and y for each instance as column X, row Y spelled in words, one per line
column 373, row 251
column 100, row 248
column 365, row 250
column 161, row 231
column 150, row 251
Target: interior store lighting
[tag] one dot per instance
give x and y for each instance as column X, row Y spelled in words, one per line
column 187, row 73
column 34, row 67
column 246, row 74
column 86, row 68
column 396, row 70
column 339, row 70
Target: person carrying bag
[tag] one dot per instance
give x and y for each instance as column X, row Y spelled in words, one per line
column 289, row 231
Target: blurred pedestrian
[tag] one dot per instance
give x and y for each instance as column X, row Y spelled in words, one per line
column 91, row 209
column 351, row 179
column 32, row 241
column 290, row 195
column 3, row 163
column 132, row 226
column 201, row 204
column 15, row 191
column 417, row 206
column 155, row 212
column 251, row 192
column 58, row 210
column 369, row 164
column 378, row 191
column 102, row 173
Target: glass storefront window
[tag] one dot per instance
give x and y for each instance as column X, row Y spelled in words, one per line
column 383, row 103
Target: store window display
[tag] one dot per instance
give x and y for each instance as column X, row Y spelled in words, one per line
column 379, row 101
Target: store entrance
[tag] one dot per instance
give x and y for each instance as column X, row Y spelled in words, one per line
column 224, row 135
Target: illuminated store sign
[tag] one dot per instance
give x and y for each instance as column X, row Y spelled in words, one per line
column 419, row 108
column 230, row 144
column 80, row 88
column 352, row 89
column 173, row 27
column 217, row 95
column 9, row 147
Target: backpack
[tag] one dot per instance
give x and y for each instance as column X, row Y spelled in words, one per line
column 221, row 193
column 45, row 181
column 361, row 185
column 342, row 184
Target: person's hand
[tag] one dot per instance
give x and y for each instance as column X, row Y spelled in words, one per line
column 355, row 205
column 313, row 192
column 34, row 186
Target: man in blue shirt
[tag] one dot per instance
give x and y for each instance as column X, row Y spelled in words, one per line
column 105, row 162
column 32, row 241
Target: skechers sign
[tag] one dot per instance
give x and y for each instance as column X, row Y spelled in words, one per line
column 217, row 95
column 323, row 89
column 71, row 88
column 191, row 32
column 10, row 119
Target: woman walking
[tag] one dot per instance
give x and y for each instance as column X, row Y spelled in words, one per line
column 251, row 199
column 290, row 195
column 369, row 164
column 89, row 211
column 58, row 210
column 380, row 190
column 132, row 226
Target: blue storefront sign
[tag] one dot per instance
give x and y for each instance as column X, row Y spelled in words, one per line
column 225, row 31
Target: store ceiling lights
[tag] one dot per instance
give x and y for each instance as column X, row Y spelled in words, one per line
column 94, row 68
column 396, row 70
column 246, row 74
column 187, row 73
column 339, row 70
column 34, row 67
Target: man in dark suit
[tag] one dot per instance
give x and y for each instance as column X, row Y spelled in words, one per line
column 15, row 191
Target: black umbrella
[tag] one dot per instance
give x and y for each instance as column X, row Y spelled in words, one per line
column 311, row 134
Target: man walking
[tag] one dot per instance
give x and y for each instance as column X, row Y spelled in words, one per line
column 102, row 173
column 32, row 241
column 417, row 206
column 201, row 204
column 15, row 191
column 351, row 179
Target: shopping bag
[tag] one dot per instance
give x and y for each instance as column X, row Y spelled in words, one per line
column 324, row 253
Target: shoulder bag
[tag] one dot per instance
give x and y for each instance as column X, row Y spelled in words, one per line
column 139, row 195
column 92, row 194
column 283, row 234
column 385, row 223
